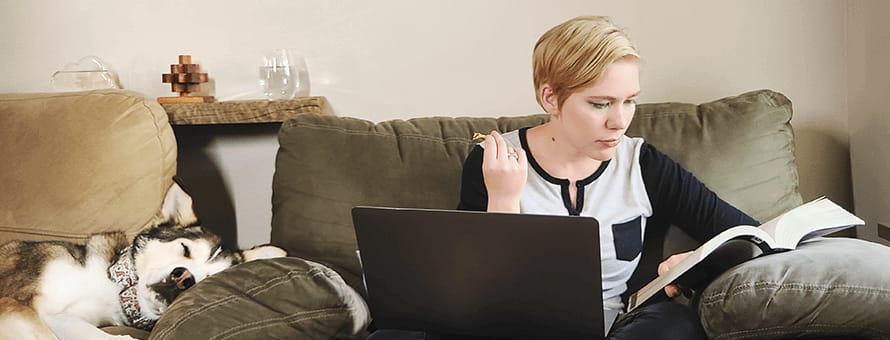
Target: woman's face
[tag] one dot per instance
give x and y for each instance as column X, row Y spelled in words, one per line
column 593, row 119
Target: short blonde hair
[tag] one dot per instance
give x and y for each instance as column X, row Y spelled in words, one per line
column 575, row 53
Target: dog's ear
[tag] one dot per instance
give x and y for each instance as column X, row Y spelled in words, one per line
column 177, row 208
column 263, row 252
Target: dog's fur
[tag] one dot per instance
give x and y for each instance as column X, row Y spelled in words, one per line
column 54, row 289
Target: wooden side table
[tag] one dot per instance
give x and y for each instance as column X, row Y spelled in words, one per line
column 244, row 111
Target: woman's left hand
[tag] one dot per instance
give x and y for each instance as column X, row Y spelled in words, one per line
column 672, row 290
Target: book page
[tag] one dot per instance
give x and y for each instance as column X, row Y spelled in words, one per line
column 815, row 218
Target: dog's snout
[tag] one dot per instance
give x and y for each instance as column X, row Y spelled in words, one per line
column 187, row 283
column 182, row 277
column 177, row 272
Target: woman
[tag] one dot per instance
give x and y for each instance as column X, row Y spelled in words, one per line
column 586, row 77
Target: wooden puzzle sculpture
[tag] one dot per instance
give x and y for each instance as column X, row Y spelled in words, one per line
column 185, row 78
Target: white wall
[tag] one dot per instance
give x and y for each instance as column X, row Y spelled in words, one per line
column 869, row 77
column 400, row 58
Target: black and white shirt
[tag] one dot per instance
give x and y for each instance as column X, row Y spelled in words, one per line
column 638, row 185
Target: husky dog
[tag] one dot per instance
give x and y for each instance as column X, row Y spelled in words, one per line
column 54, row 289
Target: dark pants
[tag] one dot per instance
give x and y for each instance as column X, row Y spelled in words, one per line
column 663, row 320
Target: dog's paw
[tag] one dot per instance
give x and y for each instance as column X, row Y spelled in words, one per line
column 263, row 252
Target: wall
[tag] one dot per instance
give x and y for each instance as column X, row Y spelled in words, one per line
column 400, row 59
column 869, row 84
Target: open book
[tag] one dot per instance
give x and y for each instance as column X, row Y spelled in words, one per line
column 734, row 245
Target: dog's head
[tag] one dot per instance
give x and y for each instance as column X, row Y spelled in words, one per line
column 174, row 255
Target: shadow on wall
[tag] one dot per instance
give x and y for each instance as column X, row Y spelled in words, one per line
column 823, row 162
column 200, row 171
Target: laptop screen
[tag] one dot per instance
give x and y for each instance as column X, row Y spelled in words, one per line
column 476, row 273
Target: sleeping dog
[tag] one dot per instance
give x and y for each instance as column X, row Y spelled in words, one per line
column 61, row 290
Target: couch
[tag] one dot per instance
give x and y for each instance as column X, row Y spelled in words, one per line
column 75, row 156
column 78, row 163
column 742, row 147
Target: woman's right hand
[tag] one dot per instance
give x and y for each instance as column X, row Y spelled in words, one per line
column 505, row 169
column 672, row 290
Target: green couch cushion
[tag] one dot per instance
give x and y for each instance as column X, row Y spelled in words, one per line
column 284, row 298
column 830, row 287
column 741, row 147
column 327, row 165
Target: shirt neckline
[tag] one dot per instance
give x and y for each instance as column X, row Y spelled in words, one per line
column 523, row 141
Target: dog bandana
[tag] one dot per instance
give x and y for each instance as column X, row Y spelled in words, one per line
column 123, row 273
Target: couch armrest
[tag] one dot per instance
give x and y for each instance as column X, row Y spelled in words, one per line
column 77, row 163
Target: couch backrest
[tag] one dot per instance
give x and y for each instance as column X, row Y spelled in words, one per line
column 741, row 147
column 77, row 163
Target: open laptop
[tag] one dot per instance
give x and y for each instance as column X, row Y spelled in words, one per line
column 475, row 273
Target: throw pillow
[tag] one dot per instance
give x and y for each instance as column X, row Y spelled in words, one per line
column 283, row 298
column 828, row 287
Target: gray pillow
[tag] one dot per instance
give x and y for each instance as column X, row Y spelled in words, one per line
column 283, row 298
column 828, row 287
